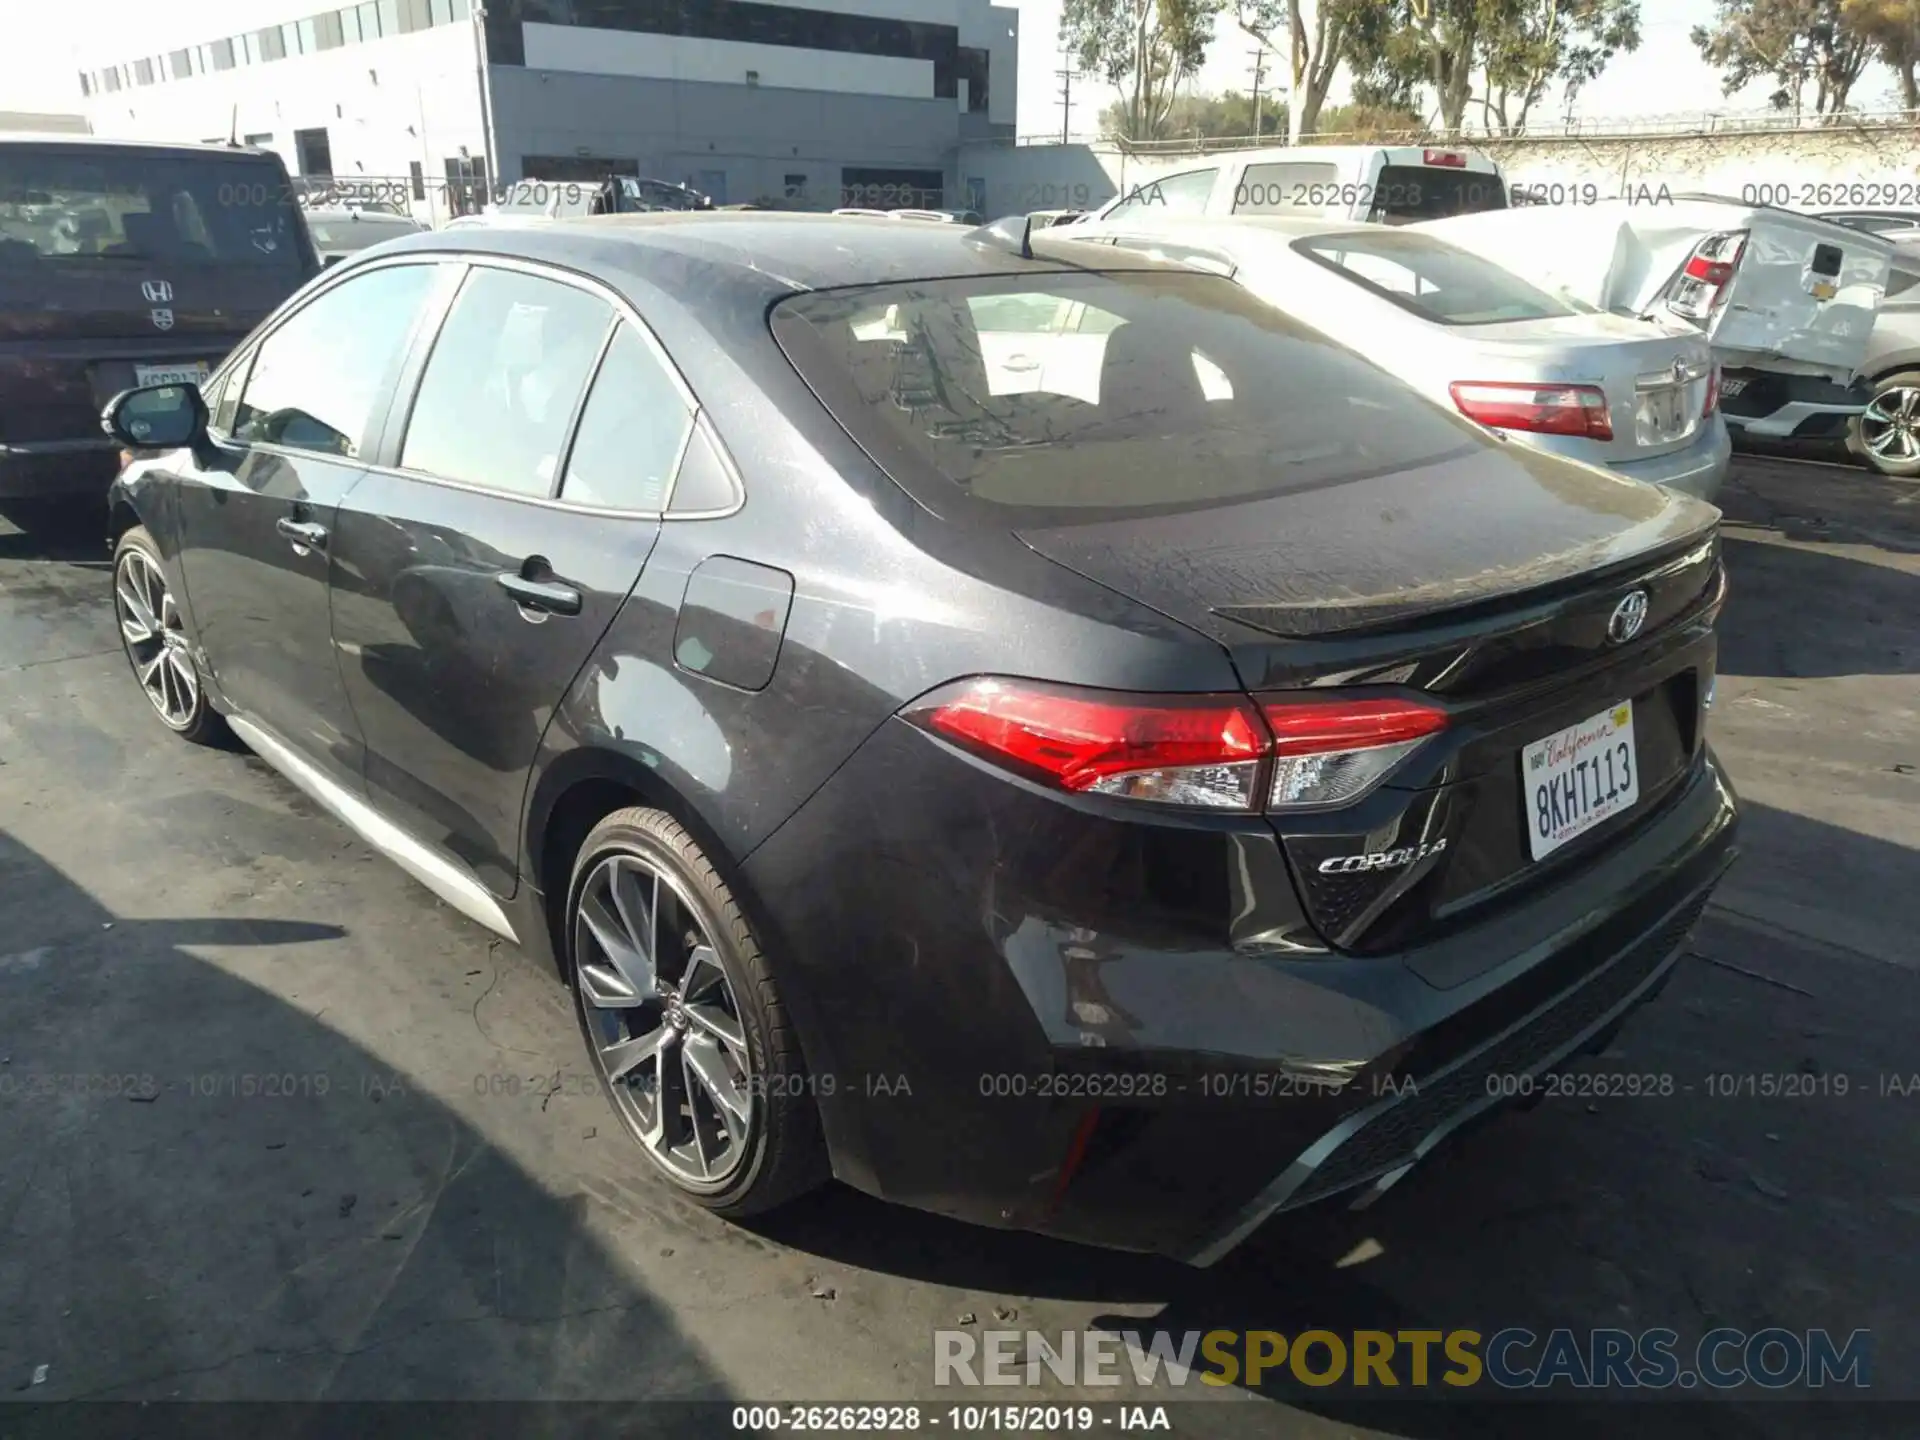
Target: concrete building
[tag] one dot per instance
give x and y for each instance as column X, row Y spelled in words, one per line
column 824, row 101
column 42, row 122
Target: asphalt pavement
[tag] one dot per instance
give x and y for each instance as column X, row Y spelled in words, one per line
column 276, row 1124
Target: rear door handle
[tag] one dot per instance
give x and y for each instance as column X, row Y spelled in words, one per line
column 546, row 596
column 303, row 533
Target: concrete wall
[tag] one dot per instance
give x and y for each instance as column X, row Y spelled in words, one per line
column 408, row 98
column 680, row 130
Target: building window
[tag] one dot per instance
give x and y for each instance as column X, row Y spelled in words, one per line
column 222, row 51
column 112, row 81
column 271, row 43
column 86, row 85
column 389, row 16
column 313, row 152
column 440, row 12
column 248, row 50
column 261, row 138
column 326, row 31
column 419, row 179
column 303, row 32
column 795, row 187
column 461, row 9
column 415, row 15
column 143, row 72
column 179, row 64
column 973, row 69
column 759, row 24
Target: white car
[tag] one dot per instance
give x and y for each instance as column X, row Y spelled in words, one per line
column 1640, row 397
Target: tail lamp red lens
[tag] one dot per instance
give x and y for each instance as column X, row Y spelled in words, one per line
column 1713, row 391
column 1701, row 287
column 1221, row 752
column 1452, row 159
column 1543, row 409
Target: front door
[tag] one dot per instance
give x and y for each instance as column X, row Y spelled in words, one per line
column 486, row 570
column 256, row 522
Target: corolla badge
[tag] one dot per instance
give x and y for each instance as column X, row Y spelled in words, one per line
column 1627, row 618
column 162, row 319
column 1381, row 859
column 158, row 292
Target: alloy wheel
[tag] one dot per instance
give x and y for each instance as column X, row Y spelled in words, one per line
column 1890, row 425
column 663, row 1021
column 156, row 639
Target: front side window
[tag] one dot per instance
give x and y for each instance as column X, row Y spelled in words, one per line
column 321, row 381
column 507, row 370
column 1183, row 194
column 1434, row 280
column 1157, row 392
column 631, row 432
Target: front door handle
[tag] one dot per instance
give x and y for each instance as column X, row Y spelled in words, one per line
column 303, row 533
column 548, row 597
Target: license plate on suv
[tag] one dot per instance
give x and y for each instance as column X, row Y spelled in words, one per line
column 192, row 372
column 1579, row 777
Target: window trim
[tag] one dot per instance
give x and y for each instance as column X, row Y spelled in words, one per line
column 471, row 260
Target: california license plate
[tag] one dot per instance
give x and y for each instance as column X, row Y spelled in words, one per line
column 1580, row 777
column 191, row 373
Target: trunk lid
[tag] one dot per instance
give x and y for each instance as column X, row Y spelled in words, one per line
column 1805, row 291
column 1655, row 374
column 1489, row 582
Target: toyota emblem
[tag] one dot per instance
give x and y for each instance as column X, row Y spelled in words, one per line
column 158, row 292
column 1679, row 372
column 1627, row 618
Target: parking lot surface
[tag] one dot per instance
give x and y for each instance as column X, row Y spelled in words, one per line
column 276, row 1124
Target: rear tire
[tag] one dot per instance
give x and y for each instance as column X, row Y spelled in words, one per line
column 1886, row 437
column 683, row 1020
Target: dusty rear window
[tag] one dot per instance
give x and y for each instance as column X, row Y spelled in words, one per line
column 1433, row 279
column 1050, row 398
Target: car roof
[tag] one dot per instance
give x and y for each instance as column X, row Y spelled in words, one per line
column 790, row 251
column 45, row 138
column 1278, row 225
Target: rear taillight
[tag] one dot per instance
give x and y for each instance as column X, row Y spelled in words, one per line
column 1701, row 286
column 1542, row 409
column 1219, row 752
column 1452, row 159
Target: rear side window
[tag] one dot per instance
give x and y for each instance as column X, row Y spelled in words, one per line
column 507, row 372
column 322, row 380
column 1278, row 188
column 1184, row 194
column 1405, row 193
column 631, row 432
column 1434, row 280
column 68, row 205
column 1151, row 392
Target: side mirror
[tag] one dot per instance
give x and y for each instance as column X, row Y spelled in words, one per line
column 158, row 417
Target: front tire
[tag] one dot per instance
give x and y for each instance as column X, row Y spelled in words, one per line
column 1886, row 436
column 153, row 634
column 683, row 1021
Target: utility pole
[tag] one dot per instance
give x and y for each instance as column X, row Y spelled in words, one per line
column 1259, row 74
column 1065, row 74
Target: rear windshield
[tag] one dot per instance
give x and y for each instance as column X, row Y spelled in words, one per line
column 1433, row 279
column 80, row 204
column 1406, row 193
column 1058, row 398
column 348, row 233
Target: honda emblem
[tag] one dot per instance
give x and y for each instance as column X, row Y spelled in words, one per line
column 158, row 292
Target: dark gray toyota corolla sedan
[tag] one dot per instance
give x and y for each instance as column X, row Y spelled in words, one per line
column 1021, row 727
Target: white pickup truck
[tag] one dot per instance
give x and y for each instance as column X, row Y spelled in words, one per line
column 1390, row 184
column 1787, row 301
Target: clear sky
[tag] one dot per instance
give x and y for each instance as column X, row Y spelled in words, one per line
column 45, row 43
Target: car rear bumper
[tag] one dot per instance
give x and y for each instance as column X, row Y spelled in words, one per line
column 58, row 469
column 1023, row 1015
column 1778, row 406
column 1697, row 470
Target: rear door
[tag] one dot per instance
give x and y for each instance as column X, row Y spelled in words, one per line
column 128, row 265
column 477, row 567
column 292, row 429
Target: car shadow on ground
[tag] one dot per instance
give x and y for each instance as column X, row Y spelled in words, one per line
column 71, row 534
column 1682, row 1208
column 209, row 1194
